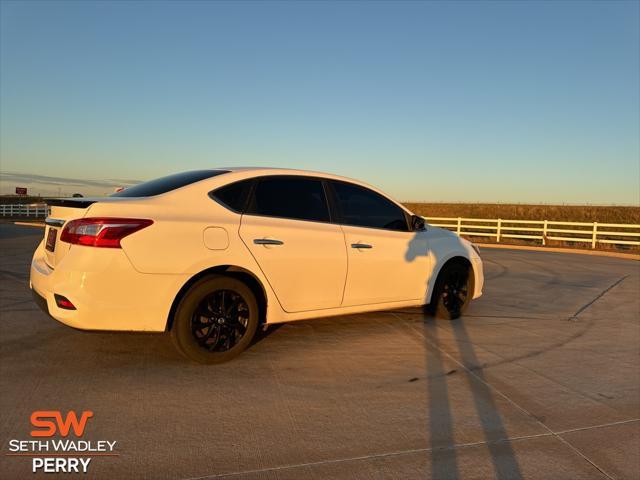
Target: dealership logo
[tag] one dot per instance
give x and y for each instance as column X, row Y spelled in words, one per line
column 39, row 419
column 56, row 445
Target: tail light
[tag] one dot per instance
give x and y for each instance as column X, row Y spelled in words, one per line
column 101, row 232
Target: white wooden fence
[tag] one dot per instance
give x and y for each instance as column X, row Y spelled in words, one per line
column 542, row 230
column 499, row 229
column 35, row 210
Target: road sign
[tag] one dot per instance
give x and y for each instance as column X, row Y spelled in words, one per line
column 21, row 190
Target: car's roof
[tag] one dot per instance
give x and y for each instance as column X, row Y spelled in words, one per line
column 292, row 171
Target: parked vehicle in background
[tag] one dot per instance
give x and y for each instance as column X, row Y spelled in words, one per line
column 213, row 255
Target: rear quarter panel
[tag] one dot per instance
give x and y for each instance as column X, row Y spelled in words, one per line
column 175, row 242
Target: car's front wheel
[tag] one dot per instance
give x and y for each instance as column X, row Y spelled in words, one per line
column 452, row 291
column 215, row 320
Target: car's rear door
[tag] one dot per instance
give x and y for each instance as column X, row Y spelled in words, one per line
column 287, row 227
column 386, row 261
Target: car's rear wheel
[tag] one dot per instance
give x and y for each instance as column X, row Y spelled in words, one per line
column 215, row 320
column 452, row 291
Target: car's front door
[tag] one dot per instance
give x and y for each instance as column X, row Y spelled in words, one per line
column 287, row 227
column 387, row 261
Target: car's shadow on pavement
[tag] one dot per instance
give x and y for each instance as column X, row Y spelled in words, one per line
column 443, row 457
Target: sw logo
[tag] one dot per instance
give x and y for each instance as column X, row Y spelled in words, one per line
column 42, row 419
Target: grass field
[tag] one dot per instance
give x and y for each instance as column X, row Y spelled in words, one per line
column 19, row 199
column 564, row 213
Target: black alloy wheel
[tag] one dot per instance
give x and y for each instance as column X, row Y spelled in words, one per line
column 453, row 291
column 215, row 320
column 220, row 320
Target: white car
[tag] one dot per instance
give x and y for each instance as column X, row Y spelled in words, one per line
column 213, row 255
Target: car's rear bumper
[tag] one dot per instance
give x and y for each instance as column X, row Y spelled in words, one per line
column 108, row 293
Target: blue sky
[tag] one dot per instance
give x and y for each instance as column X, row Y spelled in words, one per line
column 439, row 101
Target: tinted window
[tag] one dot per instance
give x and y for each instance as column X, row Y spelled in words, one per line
column 290, row 197
column 233, row 196
column 166, row 184
column 362, row 207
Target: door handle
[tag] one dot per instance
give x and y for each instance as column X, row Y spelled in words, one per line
column 267, row 241
column 361, row 245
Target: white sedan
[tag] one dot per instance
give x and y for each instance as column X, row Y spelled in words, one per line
column 213, row 255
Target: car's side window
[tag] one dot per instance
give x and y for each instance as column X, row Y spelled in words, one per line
column 362, row 207
column 298, row 198
column 233, row 196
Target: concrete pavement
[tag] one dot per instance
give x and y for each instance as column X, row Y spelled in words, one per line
column 540, row 379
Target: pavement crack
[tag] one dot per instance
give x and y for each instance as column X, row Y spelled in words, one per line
column 598, row 297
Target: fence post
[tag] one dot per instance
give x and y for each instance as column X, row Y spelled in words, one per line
column 498, row 230
column 544, row 233
column 459, row 225
column 594, row 238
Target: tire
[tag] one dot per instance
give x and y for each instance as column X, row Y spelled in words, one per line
column 215, row 320
column 452, row 292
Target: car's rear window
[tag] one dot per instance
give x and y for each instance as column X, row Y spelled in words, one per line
column 166, row 184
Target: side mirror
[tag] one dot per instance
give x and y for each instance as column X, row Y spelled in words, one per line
column 417, row 223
